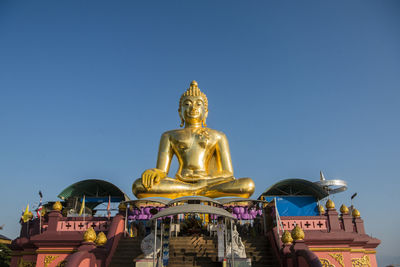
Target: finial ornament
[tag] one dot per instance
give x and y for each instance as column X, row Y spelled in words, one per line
column 321, row 176
column 330, row 204
column 297, row 233
column 287, row 238
column 89, row 235
column 321, row 209
column 101, row 239
column 121, row 207
column 57, row 206
column 355, row 213
column 344, row 209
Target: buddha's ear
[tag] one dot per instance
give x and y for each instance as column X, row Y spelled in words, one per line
column 182, row 120
column 205, row 118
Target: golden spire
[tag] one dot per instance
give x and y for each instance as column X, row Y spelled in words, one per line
column 330, row 204
column 89, row 235
column 121, row 207
column 321, row 209
column 101, row 239
column 344, row 209
column 297, row 233
column 57, row 206
column 287, row 237
column 356, row 213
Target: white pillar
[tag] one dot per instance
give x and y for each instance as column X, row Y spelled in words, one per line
column 232, row 256
column 161, row 240
column 155, row 243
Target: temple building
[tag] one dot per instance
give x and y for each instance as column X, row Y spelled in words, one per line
column 201, row 216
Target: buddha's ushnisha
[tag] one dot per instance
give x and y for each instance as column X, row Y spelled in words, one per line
column 205, row 166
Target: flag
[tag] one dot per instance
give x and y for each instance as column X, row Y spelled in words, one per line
column 27, row 215
column 109, row 207
column 40, row 207
column 82, row 206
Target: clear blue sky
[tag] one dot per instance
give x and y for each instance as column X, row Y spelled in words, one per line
column 87, row 88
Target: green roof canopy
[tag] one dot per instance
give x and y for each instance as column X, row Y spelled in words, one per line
column 93, row 188
column 296, row 187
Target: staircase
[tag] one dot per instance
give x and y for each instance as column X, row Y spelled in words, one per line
column 195, row 251
column 128, row 249
column 259, row 250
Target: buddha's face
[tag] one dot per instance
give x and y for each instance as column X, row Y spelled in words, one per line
column 193, row 110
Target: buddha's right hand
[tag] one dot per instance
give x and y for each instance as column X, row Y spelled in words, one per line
column 152, row 177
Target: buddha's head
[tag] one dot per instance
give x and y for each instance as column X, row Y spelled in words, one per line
column 193, row 106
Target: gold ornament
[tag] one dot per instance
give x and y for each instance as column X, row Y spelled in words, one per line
column 49, row 259
column 57, row 206
column 27, row 216
column 89, row 235
column 325, row 263
column 355, row 213
column 62, row 263
column 22, row 263
column 122, row 207
column 344, row 209
column 338, row 257
column 43, row 212
column 205, row 165
column 321, row 209
column 297, row 233
column 360, row 262
column 101, row 239
column 330, row 204
column 287, row 237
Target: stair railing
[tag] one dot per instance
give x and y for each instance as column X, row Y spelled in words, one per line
column 278, row 219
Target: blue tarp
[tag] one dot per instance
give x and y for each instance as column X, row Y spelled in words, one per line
column 296, row 205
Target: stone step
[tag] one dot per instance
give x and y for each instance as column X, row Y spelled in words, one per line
column 180, row 242
column 127, row 250
column 124, row 250
column 188, row 248
column 192, row 253
column 186, row 264
column 122, row 265
column 193, row 245
column 192, row 257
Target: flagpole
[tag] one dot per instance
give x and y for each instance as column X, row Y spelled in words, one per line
column 109, row 207
column 40, row 212
column 82, row 210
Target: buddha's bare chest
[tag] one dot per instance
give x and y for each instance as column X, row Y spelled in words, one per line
column 187, row 143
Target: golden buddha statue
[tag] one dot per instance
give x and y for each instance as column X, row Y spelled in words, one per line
column 205, row 166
